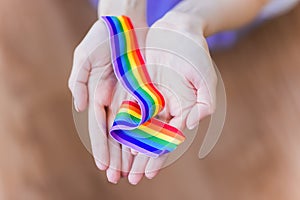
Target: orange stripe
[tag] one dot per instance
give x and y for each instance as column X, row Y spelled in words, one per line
column 163, row 128
column 139, row 61
column 131, row 107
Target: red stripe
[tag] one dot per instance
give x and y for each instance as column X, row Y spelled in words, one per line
column 164, row 128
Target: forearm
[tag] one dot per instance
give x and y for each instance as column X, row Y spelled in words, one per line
column 135, row 9
column 212, row 16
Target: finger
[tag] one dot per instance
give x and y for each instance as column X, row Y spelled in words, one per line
column 92, row 51
column 113, row 173
column 197, row 113
column 177, row 122
column 134, row 152
column 164, row 115
column 127, row 159
column 154, row 165
column 98, row 136
column 78, row 80
column 204, row 106
column 138, row 168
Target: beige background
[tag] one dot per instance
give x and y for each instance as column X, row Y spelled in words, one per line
column 41, row 156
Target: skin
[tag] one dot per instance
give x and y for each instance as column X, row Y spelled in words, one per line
column 191, row 18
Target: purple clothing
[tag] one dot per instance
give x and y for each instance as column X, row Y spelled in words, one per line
column 156, row 9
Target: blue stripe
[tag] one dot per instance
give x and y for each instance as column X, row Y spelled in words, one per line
column 123, row 122
column 134, row 141
column 115, row 31
column 145, row 138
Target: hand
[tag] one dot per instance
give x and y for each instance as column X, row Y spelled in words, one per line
column 92, row 60
column 92, row 83
column 180, row 64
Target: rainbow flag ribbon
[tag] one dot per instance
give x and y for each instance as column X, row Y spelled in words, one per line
column 134, row 125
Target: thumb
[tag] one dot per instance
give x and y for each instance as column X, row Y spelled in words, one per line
column 92, row 51
column 197, row 113
column 205, row 103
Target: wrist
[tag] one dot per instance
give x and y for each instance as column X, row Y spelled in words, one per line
column 185, row 24
column 134, row 9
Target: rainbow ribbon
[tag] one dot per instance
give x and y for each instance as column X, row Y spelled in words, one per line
column 134, row 125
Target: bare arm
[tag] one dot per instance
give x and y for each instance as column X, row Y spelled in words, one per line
column 215, row 15
column 205, row 16
column 135, row 9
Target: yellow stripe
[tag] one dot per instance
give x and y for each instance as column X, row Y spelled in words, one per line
column 146, row 88
column 159, row 135
column 126, row 33
column 133, row 63
column 131, row 112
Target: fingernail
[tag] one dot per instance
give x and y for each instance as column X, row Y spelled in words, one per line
column 101, row 166
column 134, row 152
column 150, row 176
column 131, row 179
column 133, row 182
column 111, row 176
column 192, row 126
column 76, row 107
column 113, row 182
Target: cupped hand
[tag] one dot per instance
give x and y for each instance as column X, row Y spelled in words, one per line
column 94, row 86
column 182, row 69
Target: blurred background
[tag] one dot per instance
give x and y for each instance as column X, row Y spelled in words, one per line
column 41, row 155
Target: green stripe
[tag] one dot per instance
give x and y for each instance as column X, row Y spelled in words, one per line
column 124, row 115
column 142, row 134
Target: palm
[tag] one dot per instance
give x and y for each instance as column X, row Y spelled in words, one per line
column 92, row 81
